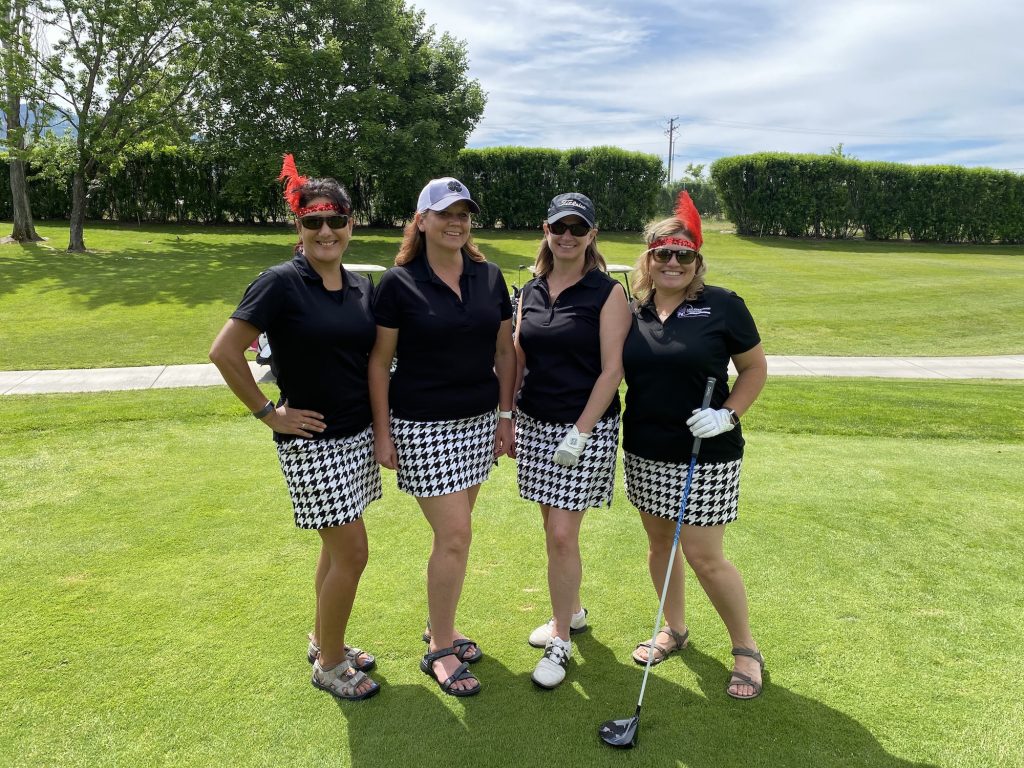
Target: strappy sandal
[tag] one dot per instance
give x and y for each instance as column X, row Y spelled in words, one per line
column 739, row 678
column 461, row 646
column 461, row 673
column 352, row 654
column 680, row 641
column 340, row 684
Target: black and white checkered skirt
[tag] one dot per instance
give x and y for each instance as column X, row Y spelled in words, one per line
column 656, row 487
column 330, row 481
column 589, row 484
column 439, row 457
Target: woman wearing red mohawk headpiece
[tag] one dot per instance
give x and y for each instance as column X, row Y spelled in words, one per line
column 683, row 333
column 319, row 319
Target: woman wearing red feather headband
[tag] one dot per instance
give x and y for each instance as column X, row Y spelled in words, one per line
column 319, row 319
column 684, row 332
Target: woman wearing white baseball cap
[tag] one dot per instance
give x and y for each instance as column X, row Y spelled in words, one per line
column 445, row 416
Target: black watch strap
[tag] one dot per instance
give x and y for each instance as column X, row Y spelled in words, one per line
column 733, row 416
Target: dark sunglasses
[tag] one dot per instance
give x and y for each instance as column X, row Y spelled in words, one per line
column 578, row 230
column 664, row 255
column 339, row 221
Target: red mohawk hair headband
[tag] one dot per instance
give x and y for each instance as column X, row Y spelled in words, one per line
column 293, row 184
column 686, row 213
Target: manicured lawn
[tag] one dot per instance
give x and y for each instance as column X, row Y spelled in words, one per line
column 155, row 597
column 157, row 295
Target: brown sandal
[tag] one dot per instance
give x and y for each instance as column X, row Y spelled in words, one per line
column 680, row 641
column 739, row 678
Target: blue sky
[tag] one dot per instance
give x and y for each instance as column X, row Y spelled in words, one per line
column 940, row 81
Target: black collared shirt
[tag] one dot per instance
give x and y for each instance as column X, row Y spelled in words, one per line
column 562, row 343
column 667, row 367
column 446, row 344
column 321, row 341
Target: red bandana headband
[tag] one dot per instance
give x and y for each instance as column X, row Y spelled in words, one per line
column 682, row 242
column 686, row 213
column 316, row 209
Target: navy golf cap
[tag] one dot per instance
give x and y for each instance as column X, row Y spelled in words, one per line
column 572, row 204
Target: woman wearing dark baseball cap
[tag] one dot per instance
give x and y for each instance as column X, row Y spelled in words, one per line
column 573, row 319
column 446, row 414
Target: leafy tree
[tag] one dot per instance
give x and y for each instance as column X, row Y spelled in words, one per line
column 361, row 90
column 18, row 81
column 122, row 72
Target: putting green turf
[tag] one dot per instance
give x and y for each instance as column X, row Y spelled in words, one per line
column 156, row 597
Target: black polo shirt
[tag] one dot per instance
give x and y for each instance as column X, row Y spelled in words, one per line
column 667, row 367
column 446, row 344
column 562, row 342
column 321, row 341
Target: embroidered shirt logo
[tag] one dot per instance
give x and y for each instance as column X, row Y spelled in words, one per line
column 687, row 311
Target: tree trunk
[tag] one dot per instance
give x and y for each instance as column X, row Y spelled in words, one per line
column 23, row 226
column 76, row 243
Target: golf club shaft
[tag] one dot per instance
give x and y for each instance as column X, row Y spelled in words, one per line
column 708, row 390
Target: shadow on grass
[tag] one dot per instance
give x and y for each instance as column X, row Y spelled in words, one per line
column 861, row 246
column 184, row 266
column 512, row 722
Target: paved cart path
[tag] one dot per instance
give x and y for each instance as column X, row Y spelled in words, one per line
column 206, row 375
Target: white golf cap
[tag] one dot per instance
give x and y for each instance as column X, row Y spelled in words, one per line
column 440, row 193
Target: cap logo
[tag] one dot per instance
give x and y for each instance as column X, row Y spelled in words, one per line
column 572, row 203
column 454, row 186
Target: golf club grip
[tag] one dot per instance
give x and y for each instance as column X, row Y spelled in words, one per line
column 709, row 389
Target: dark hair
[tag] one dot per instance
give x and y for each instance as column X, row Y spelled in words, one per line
column 326, row 187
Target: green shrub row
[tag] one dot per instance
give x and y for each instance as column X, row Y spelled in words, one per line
column 837, row 197
column 702, row 192
column 512, row 184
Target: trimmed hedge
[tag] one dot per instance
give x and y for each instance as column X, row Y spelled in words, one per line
column 702, row 192
column 512, row 184
column 837, row 197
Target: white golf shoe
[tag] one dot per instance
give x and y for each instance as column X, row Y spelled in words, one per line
column 550, row 670
column 540, row 636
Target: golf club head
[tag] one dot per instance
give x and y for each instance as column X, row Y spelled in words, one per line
column 620, row 733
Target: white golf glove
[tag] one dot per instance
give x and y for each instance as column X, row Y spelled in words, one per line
column 710, row 422
column 568, row 451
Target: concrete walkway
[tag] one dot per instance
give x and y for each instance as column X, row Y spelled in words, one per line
column 206, row 375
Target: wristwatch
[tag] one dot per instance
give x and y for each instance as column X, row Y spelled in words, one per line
column 505, row 414
column 733, row 417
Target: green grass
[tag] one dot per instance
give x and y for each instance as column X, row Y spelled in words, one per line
column 155, row 597
column 158, row 294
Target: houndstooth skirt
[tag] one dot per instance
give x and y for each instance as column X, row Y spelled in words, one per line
column 330, row 481
column 589, row 484
column 656, row 487
column 439, row 457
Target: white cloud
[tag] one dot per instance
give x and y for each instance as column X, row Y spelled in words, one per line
column 911, row 81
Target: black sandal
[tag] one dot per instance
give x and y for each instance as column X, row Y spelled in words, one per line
column 461, row 673
column 461, row 647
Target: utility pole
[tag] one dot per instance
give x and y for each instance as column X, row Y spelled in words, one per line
column 671, row 133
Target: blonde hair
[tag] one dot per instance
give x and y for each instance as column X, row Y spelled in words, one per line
column 643, row 284
column 413, row 244
column 545, row 260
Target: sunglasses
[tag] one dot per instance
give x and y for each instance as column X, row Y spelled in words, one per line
column 664, row 256
column 340, row 221
column 578, row 230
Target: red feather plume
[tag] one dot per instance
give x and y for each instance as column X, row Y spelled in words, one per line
column 293, row 182
column 687, row 213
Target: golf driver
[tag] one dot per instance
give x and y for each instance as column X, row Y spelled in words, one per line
column 622, row 733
